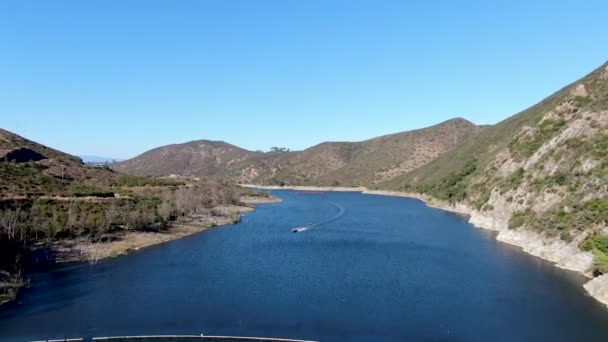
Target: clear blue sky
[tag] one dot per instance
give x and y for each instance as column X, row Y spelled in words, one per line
column 115, row 78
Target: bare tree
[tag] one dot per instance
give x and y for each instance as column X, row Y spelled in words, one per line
column 9, row 221
column 111, row 215
column 165, row 210
column 93, row 252
column 72, row 215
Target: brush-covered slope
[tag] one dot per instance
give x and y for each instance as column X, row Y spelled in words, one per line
column 331, row 163
column 380, row 159
column 370, row 162
column 200, row 158
column 30, row 169
column 543, row 171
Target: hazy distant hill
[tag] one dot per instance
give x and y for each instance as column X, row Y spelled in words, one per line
column 347, row 163
column 99, row 160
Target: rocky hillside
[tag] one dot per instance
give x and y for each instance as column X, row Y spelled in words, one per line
column 539, row 177
column 332, row 163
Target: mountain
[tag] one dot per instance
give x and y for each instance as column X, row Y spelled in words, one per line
column 347, row 163
column 200, row 158
column 540, row 177
column 17, row 148
column 383, row 158
column 527, row 144
column 30, row 169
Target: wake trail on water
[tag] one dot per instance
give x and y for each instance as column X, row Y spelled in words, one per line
column 340, row 213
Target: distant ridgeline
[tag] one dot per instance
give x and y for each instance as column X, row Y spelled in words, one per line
column 332, row 163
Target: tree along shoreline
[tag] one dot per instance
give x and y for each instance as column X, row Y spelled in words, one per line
column 36, row 230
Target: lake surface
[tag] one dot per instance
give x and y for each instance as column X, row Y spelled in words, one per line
column 378, row 269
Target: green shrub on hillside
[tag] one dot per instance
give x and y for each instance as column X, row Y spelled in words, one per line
column 548, row 127
column 519, row 218
column 565, row 236
column 558, row 179
column 566, row 218
column 27, row 179
column 595, row 211
column 583, row 100
column 485, row 197
column 527, row 144
column 570, row 216
column 82, row 190
column 133, row 181
column 595, row 147
column 595, row 241
column 452, row 188
column 513, row 181
column 600, row 262
column 598, row 245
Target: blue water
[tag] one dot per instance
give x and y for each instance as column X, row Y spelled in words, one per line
column 385, row 269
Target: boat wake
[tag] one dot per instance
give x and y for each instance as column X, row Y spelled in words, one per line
column 341, row 212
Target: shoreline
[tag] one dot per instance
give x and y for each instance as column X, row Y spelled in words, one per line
column 429, row 201
column 560, row 254
column 124, row 243
column 303, row 187
column 261, row 200
column 80, row 250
